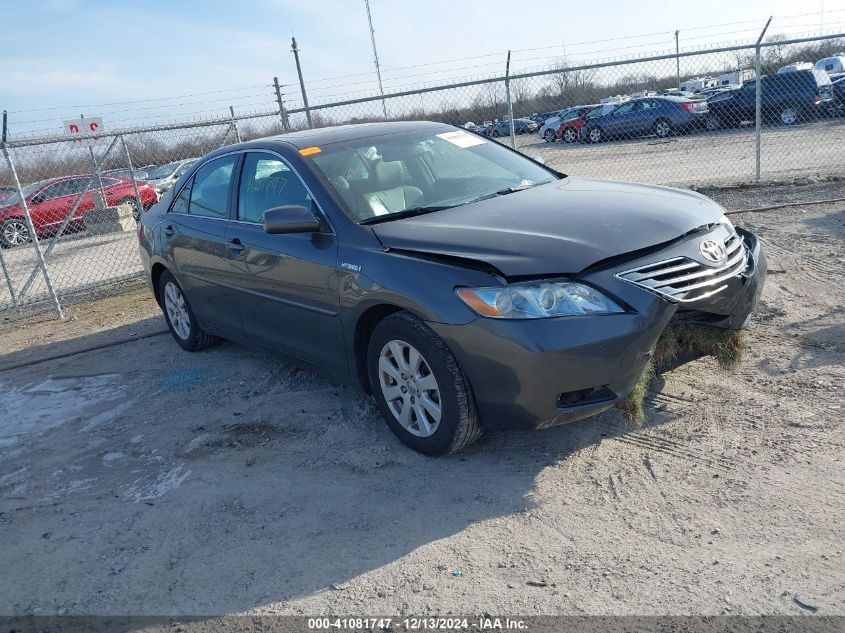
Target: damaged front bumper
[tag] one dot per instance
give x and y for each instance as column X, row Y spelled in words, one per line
column 542, row 372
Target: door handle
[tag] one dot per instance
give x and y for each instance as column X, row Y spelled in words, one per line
column 236, row 246
column 168, row 230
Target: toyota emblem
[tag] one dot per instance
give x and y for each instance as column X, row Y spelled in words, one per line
column 712, row 251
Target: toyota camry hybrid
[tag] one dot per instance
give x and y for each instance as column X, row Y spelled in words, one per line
column 464, row 285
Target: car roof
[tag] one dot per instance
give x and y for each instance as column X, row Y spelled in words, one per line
column 341, row 133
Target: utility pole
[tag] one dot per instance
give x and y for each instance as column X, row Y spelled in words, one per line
column 295, row 52
column 678, row 58
column 235, row 123
column 282, row 113
column 375, row 57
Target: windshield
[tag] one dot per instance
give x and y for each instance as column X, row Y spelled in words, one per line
column 421, row 171
column 162, row 171
column 14, row 198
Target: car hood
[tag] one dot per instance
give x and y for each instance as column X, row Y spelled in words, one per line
column 558, row 228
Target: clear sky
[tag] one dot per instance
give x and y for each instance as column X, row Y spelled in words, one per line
column 92, row 56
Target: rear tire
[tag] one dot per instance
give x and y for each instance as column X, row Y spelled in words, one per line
column 789, row 115
column 180, row 317
column 132, row 202
column 713, row 123
column 421, row 392
column 595, row 135
column 549, row 136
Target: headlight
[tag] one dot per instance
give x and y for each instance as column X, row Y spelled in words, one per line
column 727, row 222
column 537, row 300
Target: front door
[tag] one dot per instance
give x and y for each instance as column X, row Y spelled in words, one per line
column 194, row 231
column 288, row 284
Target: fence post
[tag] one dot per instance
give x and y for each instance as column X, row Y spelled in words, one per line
column 282, row 113
column 678, row 58
column 8, row 279
column 295, row 52
column 132, row 176
column 33, row 235
column 68, row 217
column 3, row 261
column 758, row 102
column 510, row 103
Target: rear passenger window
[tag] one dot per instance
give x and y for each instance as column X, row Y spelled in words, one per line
column 267, row 182
column 210, row 190
column 180, row 205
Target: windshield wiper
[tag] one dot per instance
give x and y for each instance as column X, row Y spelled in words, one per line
column 407, row 213
column 505, row 191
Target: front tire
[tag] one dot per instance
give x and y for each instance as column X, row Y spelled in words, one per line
column 570, row 135
column 421, row 392
column 549, row 136
column 662, row 128
column 14, row 232
column 180, row 318
column 595, row 135
column 713, row 123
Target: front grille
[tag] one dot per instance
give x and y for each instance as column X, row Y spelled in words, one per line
column 682, row 279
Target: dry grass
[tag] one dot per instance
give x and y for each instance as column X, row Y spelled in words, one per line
column 726, row 346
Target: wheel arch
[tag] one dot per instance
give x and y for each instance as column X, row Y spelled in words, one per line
column 156, row 272
column 364, row 327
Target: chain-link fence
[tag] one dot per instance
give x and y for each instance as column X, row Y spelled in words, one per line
column 758, row 112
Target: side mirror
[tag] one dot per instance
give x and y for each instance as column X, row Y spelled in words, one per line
column 290, row 218
column 37, row 199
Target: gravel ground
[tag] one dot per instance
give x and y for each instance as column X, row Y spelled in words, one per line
column 141, row 479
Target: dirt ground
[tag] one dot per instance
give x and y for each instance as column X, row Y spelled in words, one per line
column 140, row 479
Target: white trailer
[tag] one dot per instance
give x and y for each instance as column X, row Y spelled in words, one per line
column 736, row 78
column 834, row 64
column 794, row 67
column 698, row 83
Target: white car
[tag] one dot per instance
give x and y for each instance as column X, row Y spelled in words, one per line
column 163, row 177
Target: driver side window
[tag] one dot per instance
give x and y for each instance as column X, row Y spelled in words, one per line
column 625, row 108
column 267, row 182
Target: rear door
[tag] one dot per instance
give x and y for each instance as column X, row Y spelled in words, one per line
column 194, row 235
column 287, row 284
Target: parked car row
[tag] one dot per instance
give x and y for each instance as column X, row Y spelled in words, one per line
column 787, row 98
column 495, row 129
column 50, row 202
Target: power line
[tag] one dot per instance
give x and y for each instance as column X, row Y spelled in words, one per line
column 103, row 105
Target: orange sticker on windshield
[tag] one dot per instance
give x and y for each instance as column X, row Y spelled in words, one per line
column 307, row 151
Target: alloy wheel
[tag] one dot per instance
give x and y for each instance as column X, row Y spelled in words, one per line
column 550, row 136
column 662, row 128
column 409, row 388
column 789, row 116
column 15, row 232
column 595, row 135
column 177, row 310
column 570, row 135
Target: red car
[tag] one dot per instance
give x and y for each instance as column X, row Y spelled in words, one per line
column 51, row 200
column 570, row 130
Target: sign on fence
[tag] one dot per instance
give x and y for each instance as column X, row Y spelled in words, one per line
column 85, row 131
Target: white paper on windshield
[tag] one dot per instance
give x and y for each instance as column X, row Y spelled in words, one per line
column 461, row 139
